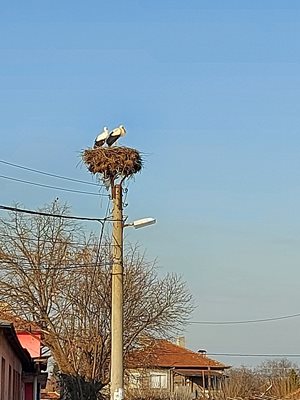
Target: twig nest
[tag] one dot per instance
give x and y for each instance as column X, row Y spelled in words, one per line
column 113, row 162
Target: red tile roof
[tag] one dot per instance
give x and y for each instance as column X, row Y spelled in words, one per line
column 162, row 353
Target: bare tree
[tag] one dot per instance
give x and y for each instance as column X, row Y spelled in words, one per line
column 242, row 383
column 55, row 275
column 272, row 379
column 281, row 376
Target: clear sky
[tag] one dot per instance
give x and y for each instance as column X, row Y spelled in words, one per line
column 210, row 92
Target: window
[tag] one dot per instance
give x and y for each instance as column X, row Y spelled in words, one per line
column 158, row 380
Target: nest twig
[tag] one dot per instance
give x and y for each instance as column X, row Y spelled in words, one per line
column 113, row 162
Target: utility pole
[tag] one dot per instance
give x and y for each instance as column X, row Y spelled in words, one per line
column 116, row 365
column 116, row 163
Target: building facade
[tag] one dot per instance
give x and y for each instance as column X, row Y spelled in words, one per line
column 21, row 376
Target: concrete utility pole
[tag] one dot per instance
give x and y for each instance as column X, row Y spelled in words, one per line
column 116, row 373
column 116, row 163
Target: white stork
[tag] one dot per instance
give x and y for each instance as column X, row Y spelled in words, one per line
column 101, row 138
column 115, row 134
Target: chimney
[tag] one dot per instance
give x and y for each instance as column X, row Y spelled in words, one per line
column 180, row 341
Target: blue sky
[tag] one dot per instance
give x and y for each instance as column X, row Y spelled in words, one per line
column 209, row 91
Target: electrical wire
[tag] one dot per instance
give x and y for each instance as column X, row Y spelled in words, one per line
column 253, row 355
column 209, row 354
column 102, row 232
column 26, row 265
column 48, row 173
column 95, row 264
column 125, row 190
column 43, row 240
column 88, row 299
column 52, row 187
column 32, row 212
column 250, row 321
column 106, row 218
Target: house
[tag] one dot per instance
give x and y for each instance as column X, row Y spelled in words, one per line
column 163, row 365
column 21, row 376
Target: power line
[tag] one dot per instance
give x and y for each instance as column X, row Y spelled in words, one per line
column 21, row 210
column 48, row 173
column 23, row 264
column 250, row 321
column 98, row 253
column 102, row 232
column 44, row 240
column 209, row 354
column 253, row 355
column 102, row 220
column 52, row 187
column 27, row 266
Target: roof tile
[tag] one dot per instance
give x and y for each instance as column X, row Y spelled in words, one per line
column 162, row 353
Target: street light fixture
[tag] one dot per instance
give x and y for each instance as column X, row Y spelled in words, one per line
column 141, row 223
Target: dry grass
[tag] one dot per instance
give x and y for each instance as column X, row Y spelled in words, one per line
column 244, row 384
column 113, row 162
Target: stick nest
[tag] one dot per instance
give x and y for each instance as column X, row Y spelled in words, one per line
column 113, row 162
